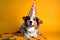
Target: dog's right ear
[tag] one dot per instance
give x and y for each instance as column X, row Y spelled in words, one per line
column 24, row 17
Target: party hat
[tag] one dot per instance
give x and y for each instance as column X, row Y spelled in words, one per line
column 32, row 12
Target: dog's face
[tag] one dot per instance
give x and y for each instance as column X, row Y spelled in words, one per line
column 28, row 20
column 31, row 21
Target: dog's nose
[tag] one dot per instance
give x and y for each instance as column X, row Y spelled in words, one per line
column 30, row 21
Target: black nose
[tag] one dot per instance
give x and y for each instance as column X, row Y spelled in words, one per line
column 30, row 22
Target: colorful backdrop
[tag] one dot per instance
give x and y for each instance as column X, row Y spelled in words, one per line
column 12, row 11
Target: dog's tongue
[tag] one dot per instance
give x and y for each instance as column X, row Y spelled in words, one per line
column 32, row 12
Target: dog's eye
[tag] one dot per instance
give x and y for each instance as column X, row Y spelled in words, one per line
column 34, row 19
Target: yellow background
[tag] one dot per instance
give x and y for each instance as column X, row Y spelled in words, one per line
column 12, row 11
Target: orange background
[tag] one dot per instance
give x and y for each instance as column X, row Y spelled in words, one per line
column 12, row 11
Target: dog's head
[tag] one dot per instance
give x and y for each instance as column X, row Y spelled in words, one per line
column 31, row 21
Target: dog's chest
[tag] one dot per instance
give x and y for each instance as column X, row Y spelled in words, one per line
column 30, row 29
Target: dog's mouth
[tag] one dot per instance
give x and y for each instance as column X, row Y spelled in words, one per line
column 31, row 25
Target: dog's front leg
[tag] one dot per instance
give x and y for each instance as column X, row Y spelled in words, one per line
column 27, row 36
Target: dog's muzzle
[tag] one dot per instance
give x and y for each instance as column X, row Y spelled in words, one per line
column 30, row 22
column 31, row 25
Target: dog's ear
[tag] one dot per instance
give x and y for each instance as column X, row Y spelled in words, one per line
column 39, row 21
column 24, row 17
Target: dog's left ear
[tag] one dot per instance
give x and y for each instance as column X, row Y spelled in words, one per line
column 39, row 21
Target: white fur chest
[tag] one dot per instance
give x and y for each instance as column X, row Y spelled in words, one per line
column 31, row 31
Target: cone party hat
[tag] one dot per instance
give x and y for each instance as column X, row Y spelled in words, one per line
column 32, row 12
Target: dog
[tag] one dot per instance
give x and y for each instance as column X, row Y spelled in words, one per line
column 30, row 27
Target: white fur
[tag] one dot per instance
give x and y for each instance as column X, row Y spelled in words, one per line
column 31, row 32
column 31, row 19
